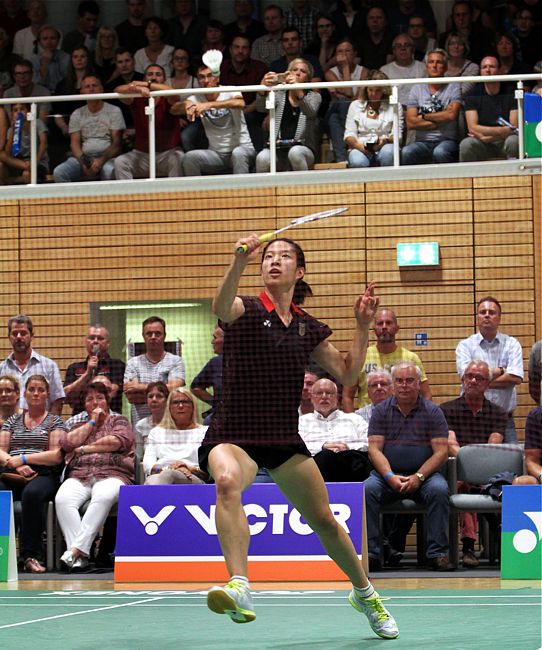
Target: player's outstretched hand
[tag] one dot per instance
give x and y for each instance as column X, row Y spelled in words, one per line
column 366, row 305
column 252, row 244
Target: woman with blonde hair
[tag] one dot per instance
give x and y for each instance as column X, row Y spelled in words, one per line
column 104, row 58
column 171, row 453
column 369, row 125
column 457, row 48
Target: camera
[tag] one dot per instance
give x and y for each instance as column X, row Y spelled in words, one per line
column 371, row 140
column 435, row 106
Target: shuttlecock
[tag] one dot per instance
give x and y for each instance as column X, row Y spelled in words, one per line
column 212, row 59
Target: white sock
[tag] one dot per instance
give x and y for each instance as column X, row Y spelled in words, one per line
column 243, row 579
column 364, row 592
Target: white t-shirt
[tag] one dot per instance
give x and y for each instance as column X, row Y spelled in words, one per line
column 95, row 128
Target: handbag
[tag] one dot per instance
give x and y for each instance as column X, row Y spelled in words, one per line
column 13, row 478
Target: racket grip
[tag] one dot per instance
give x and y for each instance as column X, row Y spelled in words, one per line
column 262, row 238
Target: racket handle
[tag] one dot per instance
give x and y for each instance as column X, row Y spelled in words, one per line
column 262, row 238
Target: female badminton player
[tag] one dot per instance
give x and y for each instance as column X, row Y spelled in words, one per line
column 267, row 343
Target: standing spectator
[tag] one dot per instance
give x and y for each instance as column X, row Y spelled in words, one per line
column 156, row 396
column 25, row 361
column 244, row 23
column 104, row 57
column 13, row 17
column 221, row 113
column 457, row 49
column 485, row 105
column 368, row 134
column 95, row 138
column 535, row 372
column 50, row 64
column 210, row 376
column 432, row 112
column 302, row 15
column 156, row 51
column 16, row 155
column 88, row 16
column 423, row 43
column 24, row 87
column 479, row 37
column 30, row 449
column 25, row 42
column 98, row 362
column 295, row 121
column 241, row 70
column 503, row 355
column 135, row 164
column 346, row 69
column 268, row 47
column 187, row 28
column 154, row 365
column 408, row 444
column 131, row 32
column 403, row 65
column 374, row 44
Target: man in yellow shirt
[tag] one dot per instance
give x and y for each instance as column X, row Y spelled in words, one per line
column 385, row 354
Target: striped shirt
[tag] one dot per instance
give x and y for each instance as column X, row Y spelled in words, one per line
column 30, row 441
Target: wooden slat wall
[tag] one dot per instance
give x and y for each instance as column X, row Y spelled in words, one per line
column 62, row 254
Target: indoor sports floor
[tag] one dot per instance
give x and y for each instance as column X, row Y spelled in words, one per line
column 436, row 614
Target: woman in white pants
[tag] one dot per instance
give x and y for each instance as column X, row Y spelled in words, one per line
column 100, row 458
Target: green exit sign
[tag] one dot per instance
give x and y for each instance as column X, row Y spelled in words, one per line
column 418, row 254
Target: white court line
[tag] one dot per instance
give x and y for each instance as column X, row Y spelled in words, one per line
column 88, row 611
column 143, row 604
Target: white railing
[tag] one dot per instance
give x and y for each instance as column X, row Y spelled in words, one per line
column 270, row 105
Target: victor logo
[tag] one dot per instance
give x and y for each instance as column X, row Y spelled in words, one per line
column 525, row 540
column 152, row 524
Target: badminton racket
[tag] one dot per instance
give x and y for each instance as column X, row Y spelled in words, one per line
column 293, row 223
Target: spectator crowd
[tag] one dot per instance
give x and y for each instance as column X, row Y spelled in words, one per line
column 228, row 132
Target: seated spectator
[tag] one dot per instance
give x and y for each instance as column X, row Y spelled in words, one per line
column 479, row 37
column 400, row 13
column 472, row 419
column 403, row 65
column 95, row 138
column 24, row 87
column 7, row 61
column 79, row 67
column 484, row 108
column 135, row 164
column 535, row 369
column 16, row 154
column 241, row 70
column 180, row 65
column 99, row 460
column 88, row 16
column 350, row 17
column 324, row 42
column 131, row 32
column 171, row 454
column 374, row 43
column 301, row 15
column 533, row 449
column 83, row 416
column 25, row 40
column 210, row 376
column 222, row 117
column 292, row 46
column 309, row 379
column 295, row 121
column 30, row 464
column 379, row 388
column 215, row 38
column 346, row 69
column 432, row 112
column 104, row 57
column 50, row 64
column 13, row 17
column 508, row 51
column 408, row 444
column 267, row 48
column 9, row 398
column 156, row 396
column 528, row 34
column 337, row 440
column 244, row 23
column 369, row 125
column 156, row 51
column 187, row 28
column 457, row 49
column 422, row 42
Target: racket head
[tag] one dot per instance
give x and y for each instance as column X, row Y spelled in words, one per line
column 315, row 216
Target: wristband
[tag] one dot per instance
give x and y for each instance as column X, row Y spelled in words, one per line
column 388, row 474
column 23, row 458
column 91, row 422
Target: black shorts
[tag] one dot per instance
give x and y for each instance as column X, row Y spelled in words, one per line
column 268, row 456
